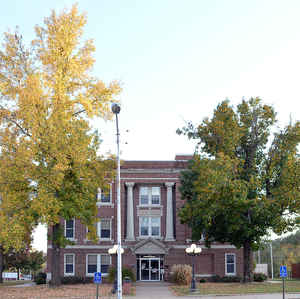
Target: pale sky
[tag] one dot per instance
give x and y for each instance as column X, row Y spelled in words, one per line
column 176, row 60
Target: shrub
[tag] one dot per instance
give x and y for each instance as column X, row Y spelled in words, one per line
column 126, row 272
column 181, row 274
column 40, row 278
column 231, row 279
column 217, row 278
column 76, row 280
column 202, row 280
column 259, row 277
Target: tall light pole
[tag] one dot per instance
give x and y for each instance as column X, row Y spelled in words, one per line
column 193, row 251
column 116, row 110
column 112, row 251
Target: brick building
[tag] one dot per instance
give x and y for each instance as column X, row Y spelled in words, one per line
column 152, row 236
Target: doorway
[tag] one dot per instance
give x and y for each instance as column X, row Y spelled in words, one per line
column 150, row 269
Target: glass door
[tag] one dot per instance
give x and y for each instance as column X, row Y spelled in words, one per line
column 149, row 269
column 155, row 269
column 145, row 269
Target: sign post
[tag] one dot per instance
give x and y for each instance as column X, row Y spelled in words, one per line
column 97, row 280
column 283, row 274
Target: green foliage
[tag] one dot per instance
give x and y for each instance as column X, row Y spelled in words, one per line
column 126, row 272
column 259, row 277
column 24, row 260
column 238, row 187
column 217, row 278
column 76, row 280
column 181, row 274
column 48, row 97
column 40, row 278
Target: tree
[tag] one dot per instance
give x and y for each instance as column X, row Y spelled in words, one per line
column 24, row 260
column 48, row 97
column 17, row 219
column 240, row 184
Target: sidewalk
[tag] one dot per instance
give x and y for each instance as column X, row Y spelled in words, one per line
column 159, row 290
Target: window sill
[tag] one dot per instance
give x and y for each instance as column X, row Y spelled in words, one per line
column 149, row 206
column 92, row 274
column 149, row 237
column 68, row 274
column 105, row 204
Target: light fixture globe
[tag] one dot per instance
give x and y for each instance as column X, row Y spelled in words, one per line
column 115, row 108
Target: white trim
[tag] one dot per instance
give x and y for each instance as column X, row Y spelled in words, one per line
column 221, row 246
column 161, row 179
column 88, row 246
column 204, row 275
column 73, row 273
column 149, row 228
column 226, row 273
column 99, row 193
column 151, row 170
column 149, row 193
column 99, row 229
column 98, row 263
column 73, row 238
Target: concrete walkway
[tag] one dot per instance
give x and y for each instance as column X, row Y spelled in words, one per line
column 159, row 290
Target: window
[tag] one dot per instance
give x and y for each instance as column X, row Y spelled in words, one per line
column 150, row 226
column 69, row 266
column 104, row 196
column 230, row 264
column 92, row 263
column 150, row 195
column 97, row 263
column 105, row 263
column 104, row 229
column 69, row 229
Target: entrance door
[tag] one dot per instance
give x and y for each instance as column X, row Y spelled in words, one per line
column 150, row 269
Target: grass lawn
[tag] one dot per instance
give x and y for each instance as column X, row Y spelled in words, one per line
column 78, row 291
column 238, row 288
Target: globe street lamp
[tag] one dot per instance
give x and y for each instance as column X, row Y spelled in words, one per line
column 193, row 251
column 116, row 110
column 113, row 251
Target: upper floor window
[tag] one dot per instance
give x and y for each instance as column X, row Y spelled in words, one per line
column 70, row 229
column 230, row 264
column 149, row 226
column 104, row 196
column 104, row 229
column 69, row 264
column 150, row 195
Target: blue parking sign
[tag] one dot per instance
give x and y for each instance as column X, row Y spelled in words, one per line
column 97, row 277
column 283, row 271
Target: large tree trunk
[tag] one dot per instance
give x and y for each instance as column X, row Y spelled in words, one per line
column 1, row 263
column 248, row 262
column 55, row 262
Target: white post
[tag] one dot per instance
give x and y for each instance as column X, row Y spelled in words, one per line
column 130, row 218
column 169, row 218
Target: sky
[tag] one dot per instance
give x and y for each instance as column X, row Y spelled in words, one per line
column 176, row 60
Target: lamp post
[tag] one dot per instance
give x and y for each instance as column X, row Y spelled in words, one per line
column 193, row 251
column 112, row 251
column 116, row 110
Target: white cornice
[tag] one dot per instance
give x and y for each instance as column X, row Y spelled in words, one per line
column 161, row 179
column 151, row 170
column 217, row 246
